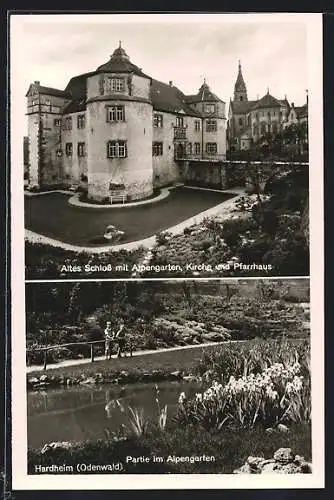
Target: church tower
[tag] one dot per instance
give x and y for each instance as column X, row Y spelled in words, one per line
column 240, row 91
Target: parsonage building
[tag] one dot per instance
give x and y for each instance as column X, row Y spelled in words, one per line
column 117, row 128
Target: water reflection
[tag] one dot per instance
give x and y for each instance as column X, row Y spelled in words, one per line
column 80, row 413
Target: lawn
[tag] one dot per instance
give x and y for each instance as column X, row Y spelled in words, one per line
column 52, row 216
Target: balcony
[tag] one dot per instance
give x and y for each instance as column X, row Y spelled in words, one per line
column 180, row 133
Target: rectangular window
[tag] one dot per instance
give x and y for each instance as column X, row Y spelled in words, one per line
column 117, row 149
column 197, row 125
column 211, row 125
column 197, row 148
column 115, row 114
column 158, row 121
column 190, row 148
column 179, row 121
column 210, row 108
column 157, row 149
column 57, row 122
column 81, row 149
column 81, row 121
column 69, row 149
column 48, row 102
column 68, row 123
column 115, row 85
column 211, row 148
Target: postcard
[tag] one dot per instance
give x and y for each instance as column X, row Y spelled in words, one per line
column 167, row 251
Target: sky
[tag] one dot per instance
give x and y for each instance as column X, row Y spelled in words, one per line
column 185, row 49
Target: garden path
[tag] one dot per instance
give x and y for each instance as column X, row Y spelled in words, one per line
column 73, row 362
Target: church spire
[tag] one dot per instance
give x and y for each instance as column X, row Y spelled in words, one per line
column 240, row 91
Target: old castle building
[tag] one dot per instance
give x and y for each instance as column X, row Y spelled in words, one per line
column 117, row 127
column 249, row 120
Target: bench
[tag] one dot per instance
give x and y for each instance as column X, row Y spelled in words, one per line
column 117, row 196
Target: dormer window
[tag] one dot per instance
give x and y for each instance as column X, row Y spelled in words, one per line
column 115, row 84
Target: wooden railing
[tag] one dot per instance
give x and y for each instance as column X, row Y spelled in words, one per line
column 128, row 348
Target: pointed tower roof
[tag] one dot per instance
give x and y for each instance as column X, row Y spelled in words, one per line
column 119, row 62
column 240, row 85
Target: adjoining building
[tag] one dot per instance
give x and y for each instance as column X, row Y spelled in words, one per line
column 249, row 120
column 117, row 128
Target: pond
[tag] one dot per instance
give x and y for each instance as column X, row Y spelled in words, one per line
column 86, row 226
column 80, row 413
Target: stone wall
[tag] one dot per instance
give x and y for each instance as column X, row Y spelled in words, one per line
column 227, row 175
column 204, row 174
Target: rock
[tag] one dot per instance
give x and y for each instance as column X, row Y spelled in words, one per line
column 306, row 468
column 283, row 428
column 189, row 378
column 299, row 460
column 288, row 469
column 254, row 462
column 90, row 380
column 58, row 445
column 284, row 455
column 270, row 430
column 33, row 381
column 269, row 468
column 244, row 469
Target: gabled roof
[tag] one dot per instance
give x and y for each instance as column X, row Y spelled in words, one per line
column 170, row 99
column 50, row 91
column 284, row 102
column 204, row 94
column 267, row 101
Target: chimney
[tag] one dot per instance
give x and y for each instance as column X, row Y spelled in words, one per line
column 37, row 83
column 171, row 83
column 292, row 104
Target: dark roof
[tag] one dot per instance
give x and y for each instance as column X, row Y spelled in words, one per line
column 284, row 102
column 203, row 95
column 77, row 88
column 240, row 85
column 50, row 91
column 53, row 92
column 267, row 101
column 75, row 106
column 241, row 107
column 301, row 111
column 119, row 62
column 169, row 98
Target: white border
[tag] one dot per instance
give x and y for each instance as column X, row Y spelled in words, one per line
column 20, row 479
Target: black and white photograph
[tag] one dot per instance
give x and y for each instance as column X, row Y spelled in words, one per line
column 185, row 157
column 167, row 251
column 169, row 377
